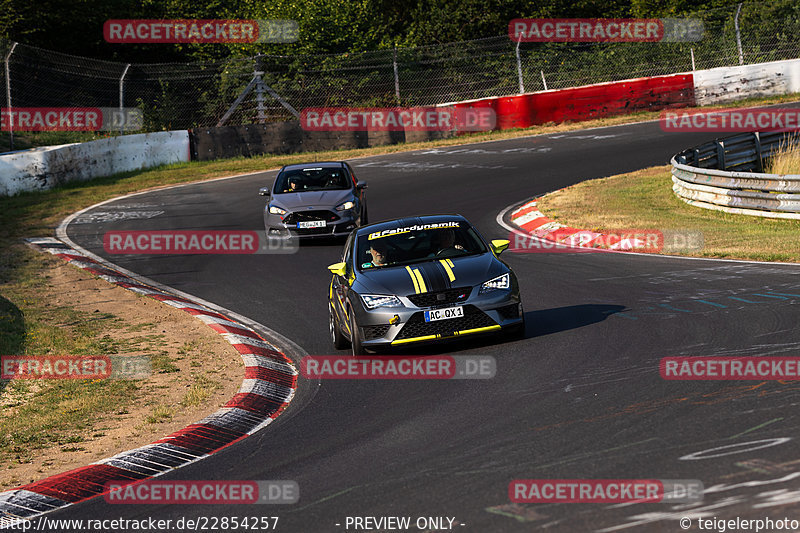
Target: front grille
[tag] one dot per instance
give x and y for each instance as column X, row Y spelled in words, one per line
column 509, row 311
column 440, row 298
column 308, row 216
column 375, row 332
column 417, row 327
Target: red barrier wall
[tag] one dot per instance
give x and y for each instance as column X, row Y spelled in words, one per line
column 591, row 101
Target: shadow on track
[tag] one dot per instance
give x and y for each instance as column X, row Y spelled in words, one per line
column 549, row 321
column 537, row 324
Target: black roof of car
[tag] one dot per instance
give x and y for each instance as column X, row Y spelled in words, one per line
column 410, row 221
column 317, row 164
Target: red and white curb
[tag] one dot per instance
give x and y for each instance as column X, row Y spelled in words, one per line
column 528, row 218
column 269, row 384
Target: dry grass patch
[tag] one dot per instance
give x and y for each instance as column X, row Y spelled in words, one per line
column 644, row 200
column 786, row 160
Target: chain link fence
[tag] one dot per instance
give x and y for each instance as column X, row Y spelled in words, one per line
column 271, row 88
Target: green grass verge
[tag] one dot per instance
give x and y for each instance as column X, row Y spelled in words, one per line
column 644, row 200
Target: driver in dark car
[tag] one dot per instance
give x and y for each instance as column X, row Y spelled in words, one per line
column 444, row 243
column 378, row 251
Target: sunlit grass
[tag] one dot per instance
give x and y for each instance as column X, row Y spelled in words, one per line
column 786, row 160
column 644, row 200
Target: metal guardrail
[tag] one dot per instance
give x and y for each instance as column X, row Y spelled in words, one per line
column 728, row 175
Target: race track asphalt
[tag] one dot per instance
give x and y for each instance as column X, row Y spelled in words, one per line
column 579, row 397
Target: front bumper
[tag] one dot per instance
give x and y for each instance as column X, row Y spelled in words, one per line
column 483, row 314
column 341, row 226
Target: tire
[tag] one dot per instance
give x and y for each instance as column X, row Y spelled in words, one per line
column 355, row 339
column 364, row 216
column 340, row 342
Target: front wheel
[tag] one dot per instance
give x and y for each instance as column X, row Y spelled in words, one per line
column 355, row 338
column 339, row 340
column 364, row 216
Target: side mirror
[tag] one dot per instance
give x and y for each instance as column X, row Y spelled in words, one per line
column 339, row 269
column 499, row 245
column 264, row 191
column 361, row 184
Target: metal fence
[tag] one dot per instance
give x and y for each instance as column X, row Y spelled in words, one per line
column 186, row 95
column 728, row 175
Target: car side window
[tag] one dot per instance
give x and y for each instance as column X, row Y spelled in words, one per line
column 348, row 250
column 352, row 174
column 348, row 259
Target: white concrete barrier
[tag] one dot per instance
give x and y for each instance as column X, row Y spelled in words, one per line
column 47, row 167
column 726, row 84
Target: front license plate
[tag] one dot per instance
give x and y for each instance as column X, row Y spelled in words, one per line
column 443, row 314
column 312, row 224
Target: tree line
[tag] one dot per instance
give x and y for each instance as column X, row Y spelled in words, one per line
column 325, row 26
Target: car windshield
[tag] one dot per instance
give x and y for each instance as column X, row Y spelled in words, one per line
column 312, row 179
column 403, row 245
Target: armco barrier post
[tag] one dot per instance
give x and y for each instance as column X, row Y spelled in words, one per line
column 122, row 92
column 396, row 75
column 519, row 70
column 8, row 93
column 738, row 33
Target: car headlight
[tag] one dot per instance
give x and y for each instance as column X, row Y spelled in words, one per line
column 345, row 206
column 275, row 210
column 373, row 301
column 500, row 282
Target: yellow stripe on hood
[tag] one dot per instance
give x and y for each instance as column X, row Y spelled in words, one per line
column 413, row 280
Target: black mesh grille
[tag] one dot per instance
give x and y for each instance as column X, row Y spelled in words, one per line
column 375, row 332
column 510, row 311
column 441, row 298
column 417, row 327
column 311, row 215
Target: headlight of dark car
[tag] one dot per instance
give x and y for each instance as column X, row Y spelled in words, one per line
column 373, row 301
column 349, row 204
column 502, row 282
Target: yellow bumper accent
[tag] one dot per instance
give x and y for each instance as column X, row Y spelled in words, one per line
column 477, row 330
column 455, row 334
column 417, row 339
